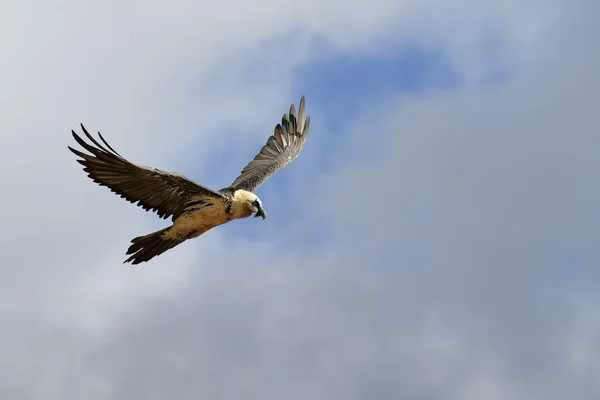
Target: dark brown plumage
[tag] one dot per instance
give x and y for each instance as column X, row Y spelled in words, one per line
column 166, row 193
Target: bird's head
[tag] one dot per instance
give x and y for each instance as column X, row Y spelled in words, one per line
column 256, row 207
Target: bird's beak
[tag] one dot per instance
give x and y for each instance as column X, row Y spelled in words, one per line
column 261, row 213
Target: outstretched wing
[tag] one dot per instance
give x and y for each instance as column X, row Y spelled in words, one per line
column 164, row 192
column 282, row 148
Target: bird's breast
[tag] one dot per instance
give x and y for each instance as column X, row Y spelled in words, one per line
column 198, row 220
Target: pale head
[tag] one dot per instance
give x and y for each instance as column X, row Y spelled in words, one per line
column 251, row 201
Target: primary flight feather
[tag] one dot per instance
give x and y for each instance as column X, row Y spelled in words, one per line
column 193, row 208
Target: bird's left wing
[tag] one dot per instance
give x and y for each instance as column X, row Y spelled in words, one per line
column 154, row 190
column 282, row 148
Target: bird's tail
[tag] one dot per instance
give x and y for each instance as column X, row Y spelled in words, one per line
column 145, row 248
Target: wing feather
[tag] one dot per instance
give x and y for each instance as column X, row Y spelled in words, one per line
column 281, row 148
column 166, row 193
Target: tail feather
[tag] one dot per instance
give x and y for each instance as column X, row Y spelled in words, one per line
column 144, row 248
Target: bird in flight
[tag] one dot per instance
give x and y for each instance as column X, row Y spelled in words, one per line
column 194, row 209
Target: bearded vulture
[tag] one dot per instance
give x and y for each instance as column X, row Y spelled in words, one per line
column 194, row 209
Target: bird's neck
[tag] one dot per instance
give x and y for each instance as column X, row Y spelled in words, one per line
column 239, row 205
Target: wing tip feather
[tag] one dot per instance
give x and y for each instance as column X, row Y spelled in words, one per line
column 291, row 133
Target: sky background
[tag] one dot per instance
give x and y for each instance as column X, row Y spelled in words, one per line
column 438, row 237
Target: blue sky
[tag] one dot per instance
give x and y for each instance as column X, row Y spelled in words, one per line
column 437, row 237
column 338, row 85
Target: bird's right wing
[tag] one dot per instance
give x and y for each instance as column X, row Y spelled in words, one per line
column 154, row 190
column 281, row 148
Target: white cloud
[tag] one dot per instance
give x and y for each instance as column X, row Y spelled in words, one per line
column 477, row 184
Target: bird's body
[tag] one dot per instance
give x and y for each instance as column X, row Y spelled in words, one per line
column 195, row 209
column 207, row 213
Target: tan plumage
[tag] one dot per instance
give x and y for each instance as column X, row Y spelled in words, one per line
column 193, row 208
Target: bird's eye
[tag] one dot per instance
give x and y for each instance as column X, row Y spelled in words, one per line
column 256, row 203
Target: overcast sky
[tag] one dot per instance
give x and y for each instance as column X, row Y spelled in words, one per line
column 438, row 238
